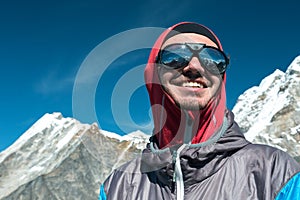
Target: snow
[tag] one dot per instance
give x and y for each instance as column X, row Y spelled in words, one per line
column 42, row 124
column 70, row 130
column 295, row 65
column 138, row 137
column 46, row 145
column 257, row 106
column 274, row 103
column 33, row 153
column 295, row 130
column 267, row 82
column 112, row 135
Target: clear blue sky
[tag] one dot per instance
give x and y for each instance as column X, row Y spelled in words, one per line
column 44, row 43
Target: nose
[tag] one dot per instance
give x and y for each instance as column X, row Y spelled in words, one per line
column 194, row 68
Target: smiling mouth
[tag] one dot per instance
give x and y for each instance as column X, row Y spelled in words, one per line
column 193, row 84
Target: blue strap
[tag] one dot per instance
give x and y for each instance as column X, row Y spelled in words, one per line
column 291, row 191
column 102, row 195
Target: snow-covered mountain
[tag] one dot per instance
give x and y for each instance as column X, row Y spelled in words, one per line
column 59, row 158
column 270, row 113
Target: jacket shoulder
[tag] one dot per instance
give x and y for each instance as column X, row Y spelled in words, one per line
column 269, row 153
column 271, row 164
column 123, row 179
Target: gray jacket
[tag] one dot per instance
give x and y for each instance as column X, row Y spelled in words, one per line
column 225, row 167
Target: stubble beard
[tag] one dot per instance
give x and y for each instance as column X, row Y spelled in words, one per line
column 190, row 104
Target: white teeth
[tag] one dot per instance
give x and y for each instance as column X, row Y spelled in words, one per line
column 192, row 84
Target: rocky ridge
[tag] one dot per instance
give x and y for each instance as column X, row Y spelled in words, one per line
column 270, row 113
column 59, row 158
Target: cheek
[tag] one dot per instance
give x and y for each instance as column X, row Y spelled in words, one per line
column 217, row 81
column 218, row 87
column 164, row 76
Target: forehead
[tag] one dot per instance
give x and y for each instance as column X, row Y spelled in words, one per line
column 189, row 38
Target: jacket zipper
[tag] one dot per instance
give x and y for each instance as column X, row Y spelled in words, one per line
column 177, row 176
column 174, row 155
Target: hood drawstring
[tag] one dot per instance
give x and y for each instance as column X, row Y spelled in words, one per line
column 188, row 132
column 161, row 117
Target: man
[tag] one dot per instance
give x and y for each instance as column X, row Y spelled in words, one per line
column 197, row 151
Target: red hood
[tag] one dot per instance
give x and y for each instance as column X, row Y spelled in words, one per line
column 170, row 122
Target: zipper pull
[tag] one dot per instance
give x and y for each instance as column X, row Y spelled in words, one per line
column 174, row 162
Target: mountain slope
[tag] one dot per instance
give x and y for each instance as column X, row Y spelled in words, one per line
column 59, row 158
column 270, row 113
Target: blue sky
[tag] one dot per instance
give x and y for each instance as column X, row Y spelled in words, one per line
column 45, row 43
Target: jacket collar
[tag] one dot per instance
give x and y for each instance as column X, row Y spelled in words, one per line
column 197, row 162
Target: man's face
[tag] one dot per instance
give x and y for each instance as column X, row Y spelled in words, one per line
column 192, row 86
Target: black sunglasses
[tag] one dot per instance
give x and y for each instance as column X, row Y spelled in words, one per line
column 178, row 55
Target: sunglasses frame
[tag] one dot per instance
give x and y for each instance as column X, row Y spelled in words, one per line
column 195, row 49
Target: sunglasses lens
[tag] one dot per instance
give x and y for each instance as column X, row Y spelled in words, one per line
column 175, row 56
column 213, row 60
column 173, row 60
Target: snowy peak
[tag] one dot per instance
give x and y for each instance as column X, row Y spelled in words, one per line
column 54, row 126
column 270, row 113
column 56, row 147
column 294, row 67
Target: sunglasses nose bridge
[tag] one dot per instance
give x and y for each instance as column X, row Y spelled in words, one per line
column 194, row 65
column 195, row 50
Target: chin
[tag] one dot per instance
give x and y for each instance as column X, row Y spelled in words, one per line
column 191, row 105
